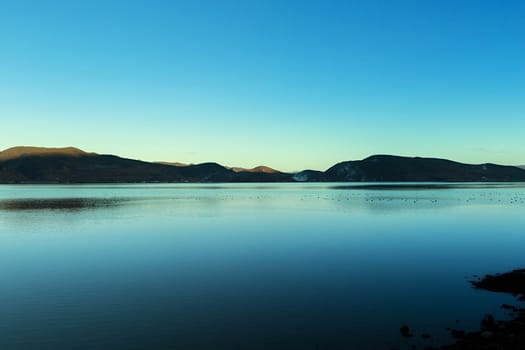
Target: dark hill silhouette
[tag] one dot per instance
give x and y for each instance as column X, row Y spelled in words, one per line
column 71, row 165
column 395, row 168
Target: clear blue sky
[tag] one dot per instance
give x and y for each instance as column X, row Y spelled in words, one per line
column 289, row 84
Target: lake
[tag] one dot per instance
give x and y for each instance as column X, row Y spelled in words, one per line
column 251, row 266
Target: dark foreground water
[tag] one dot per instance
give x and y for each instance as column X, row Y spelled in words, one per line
column 287, row 266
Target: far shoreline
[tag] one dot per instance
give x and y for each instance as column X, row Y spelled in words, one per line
column 401, row 184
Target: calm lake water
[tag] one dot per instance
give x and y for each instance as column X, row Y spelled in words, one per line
column 264, row 266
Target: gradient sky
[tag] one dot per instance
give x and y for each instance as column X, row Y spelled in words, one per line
column 289, row 84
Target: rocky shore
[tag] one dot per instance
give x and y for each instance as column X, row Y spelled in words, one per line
column 494, row 334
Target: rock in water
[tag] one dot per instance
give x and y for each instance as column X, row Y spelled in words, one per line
column 488, row 322
column 405, row 331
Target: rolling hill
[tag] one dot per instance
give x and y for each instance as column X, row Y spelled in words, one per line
column 72, row 165
column 394, row 168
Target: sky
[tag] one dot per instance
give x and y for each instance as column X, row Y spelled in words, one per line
column 289, row 84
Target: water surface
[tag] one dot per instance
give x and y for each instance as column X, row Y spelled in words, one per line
column 251, row 266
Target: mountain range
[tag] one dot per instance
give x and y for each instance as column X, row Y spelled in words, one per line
column 72, row 165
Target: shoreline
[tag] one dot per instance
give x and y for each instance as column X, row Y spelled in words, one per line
column 496, row 334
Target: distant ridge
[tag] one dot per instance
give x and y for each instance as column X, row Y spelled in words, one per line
column 257, row 169
column 72, row 165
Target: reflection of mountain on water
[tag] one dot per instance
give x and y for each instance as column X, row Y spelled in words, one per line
column 59, row 203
